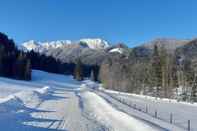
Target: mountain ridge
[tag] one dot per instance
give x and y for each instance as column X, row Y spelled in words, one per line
column 94, row 43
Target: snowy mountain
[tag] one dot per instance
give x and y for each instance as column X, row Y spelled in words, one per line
column 30, row 45
column 43, row 46
column 96, row 44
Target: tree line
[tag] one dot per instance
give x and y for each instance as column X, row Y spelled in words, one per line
column 13, row 63
column 50, row 64
column 162, row 74
column 16, row 64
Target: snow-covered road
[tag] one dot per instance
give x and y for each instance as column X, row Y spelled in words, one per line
column 56, row 103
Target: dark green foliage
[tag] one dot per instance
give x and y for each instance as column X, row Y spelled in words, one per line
column 50, row 64
column 12, row 61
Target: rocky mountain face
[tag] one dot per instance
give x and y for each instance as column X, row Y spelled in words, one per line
column 90, row 51
column 43, row 46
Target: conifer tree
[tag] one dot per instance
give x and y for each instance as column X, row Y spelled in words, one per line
column 27, row 74
column 194, row 90
column 92, row 75
column 78, row 70
column 20, row 64
column 157, row 71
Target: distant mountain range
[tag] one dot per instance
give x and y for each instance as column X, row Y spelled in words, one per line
column 94, row 51
column 43, row 46
column 91, row 51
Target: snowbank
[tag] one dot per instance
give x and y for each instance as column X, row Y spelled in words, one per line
column 11, row 104
column 110, row 117
column 43, row 90
column 19, row 101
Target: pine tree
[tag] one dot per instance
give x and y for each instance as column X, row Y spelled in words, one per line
column 78, row 70
column 20, row 67
column 92, row 75
column 194, row 90
column 27, row 72
column 173, row 77
column 163, row 60
column 157, row 71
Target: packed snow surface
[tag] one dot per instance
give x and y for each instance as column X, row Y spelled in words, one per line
column 52, row 102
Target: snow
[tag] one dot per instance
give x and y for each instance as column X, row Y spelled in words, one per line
column 181, row 111
column 10, row 104
column 43, row 46
column 113, row 119
column 118, row 50
column 54, row 102
column 96, row 43
column 43, row 90
column 30, row 45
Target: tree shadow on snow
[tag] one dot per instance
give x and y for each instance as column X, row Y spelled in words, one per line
column 52, row 96
column 22, row 121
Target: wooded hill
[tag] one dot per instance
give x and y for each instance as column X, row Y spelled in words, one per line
column 154, row 70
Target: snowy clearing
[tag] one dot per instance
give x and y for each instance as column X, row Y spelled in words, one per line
column 52, row 102
column 181, row 112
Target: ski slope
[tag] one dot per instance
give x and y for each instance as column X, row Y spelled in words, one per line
column 52, row 102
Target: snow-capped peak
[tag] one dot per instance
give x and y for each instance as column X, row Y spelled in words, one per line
column 56, row 44
column 43, row 46
column 30, row 45
column 95, row 43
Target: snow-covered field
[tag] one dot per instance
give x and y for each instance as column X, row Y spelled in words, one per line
column 56, row 102
column 167, row 110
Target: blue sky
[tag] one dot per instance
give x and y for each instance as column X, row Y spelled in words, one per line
column 128, row 21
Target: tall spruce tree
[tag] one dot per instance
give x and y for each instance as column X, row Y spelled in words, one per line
column 27, row 72
column 78, row 74
column 20, row 67
column 157, row 71
column 92, row 75
column 194, row 90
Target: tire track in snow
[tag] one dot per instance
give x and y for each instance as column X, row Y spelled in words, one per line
column 85, row 114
